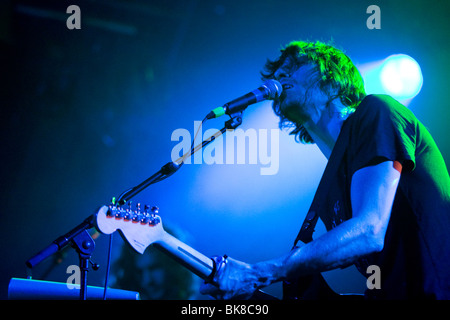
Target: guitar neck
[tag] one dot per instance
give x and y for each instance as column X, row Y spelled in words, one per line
column 111, row 219
column 196, row 262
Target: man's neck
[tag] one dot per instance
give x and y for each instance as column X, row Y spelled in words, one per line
column 325, row 133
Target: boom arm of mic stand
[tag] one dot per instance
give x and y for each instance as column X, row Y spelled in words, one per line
column 83, row 244
column 171, row 167
column 61, row 242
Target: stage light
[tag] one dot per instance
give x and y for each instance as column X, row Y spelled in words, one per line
column 401, row 77
column 398, row 75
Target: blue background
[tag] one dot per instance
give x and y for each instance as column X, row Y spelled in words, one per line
column 89, row 113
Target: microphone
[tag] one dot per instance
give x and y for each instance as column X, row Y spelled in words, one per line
column 269, row 90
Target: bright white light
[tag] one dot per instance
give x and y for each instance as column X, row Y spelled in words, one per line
column 401, row 77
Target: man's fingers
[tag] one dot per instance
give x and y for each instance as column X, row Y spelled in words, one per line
column 208, row 288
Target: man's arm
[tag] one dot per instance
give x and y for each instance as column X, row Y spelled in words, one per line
column 372, row 194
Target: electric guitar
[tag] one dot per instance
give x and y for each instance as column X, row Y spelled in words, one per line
column 144, row 228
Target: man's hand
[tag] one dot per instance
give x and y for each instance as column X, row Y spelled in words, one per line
column 234, row 280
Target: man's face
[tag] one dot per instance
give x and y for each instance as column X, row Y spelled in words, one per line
column 300, row 98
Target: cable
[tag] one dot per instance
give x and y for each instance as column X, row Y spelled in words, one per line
column 191, row 151
column 108, row 264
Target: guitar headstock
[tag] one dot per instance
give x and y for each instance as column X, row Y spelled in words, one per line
column 140, row 228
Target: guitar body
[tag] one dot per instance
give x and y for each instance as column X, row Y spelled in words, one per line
column 313, row 287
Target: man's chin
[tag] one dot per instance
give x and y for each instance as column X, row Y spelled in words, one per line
column 291, row 112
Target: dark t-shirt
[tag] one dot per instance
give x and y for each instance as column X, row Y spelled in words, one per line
column 415, row 260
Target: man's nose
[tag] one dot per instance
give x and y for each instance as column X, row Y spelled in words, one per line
column 280, row 73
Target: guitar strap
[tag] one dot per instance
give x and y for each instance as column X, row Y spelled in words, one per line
column 331, row 170
column 314, row 287
column 307, row 228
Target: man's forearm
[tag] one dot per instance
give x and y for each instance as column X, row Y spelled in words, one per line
column 339, row 247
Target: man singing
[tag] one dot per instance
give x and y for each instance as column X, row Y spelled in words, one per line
column 384, row 196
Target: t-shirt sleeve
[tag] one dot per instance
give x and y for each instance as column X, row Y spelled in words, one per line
column 383, row 130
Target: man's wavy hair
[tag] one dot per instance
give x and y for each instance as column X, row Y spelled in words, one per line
column 334, row 73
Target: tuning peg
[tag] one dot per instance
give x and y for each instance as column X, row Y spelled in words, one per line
column 127, row 215
column 154, row 221
column 155, row 209
column 118, row 213
column 110, row 212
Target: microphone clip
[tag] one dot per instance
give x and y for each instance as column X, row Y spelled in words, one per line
column 235, row 121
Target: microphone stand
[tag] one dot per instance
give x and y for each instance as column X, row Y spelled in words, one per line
column 79, row 237
column 171, row 167
column 81, row 241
